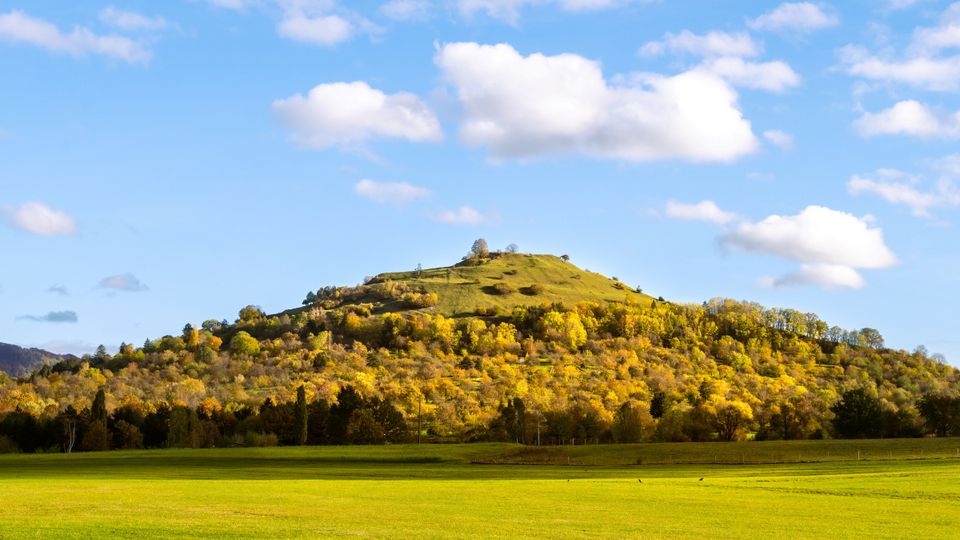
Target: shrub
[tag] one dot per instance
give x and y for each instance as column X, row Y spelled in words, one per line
column 7, row 446
column 260, row 439
column 533, row 290
column 420, row 300
column 503, row 289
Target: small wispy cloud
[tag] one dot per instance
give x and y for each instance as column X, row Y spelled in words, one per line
column 796, row 17
column 701, row 211
column 59, row 289
column 123, row 282
column 779, row 138
column 397, row 193
column 53, row 317
column 38, row 218
column 130, row 20
column 18, row 27
column 464, row 215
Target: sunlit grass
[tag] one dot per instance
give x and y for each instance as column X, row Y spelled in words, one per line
column 437, row 492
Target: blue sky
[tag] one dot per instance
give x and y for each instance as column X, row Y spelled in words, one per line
column 165, row 163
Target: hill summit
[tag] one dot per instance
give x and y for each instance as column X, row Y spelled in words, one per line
column 489, row 285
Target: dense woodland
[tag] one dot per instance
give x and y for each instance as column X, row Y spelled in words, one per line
column 342, row 370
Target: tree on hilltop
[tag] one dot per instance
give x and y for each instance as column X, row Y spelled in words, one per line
column 480, row 249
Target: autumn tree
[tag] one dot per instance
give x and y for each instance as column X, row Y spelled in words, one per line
column 244, row 343
column 479, row 249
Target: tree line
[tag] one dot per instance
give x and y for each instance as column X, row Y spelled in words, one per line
column 352, row 419
column 619, row 371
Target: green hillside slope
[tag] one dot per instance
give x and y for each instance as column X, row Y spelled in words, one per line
column 495, row 285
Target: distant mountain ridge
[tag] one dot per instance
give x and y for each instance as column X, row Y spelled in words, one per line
column 16, row 360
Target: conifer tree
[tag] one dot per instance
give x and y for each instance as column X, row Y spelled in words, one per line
column 300, row 418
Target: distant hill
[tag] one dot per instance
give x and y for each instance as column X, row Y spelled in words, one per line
column 494, row 285
column 18, row 360
column 497, row 347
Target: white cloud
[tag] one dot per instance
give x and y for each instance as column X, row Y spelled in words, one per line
column 948, row 165
column 774, row 76
column 894, row 192
column 18, row 27
column 797, row 17
column 236, row 5
column 390, row 192
column 343, row 114
column 123, row 282
column 316, row 22
column 130, row 20
column 509, row 10
column 830, row 245
column 709, row 44
column 724, row 55
column 922, row 65
column 779, row 138
column 902, row 4
column 528, row 106
column 406, row 10
column 912, row 118
column 896, row 187
column 701, row 211
column 319, row 30
column 39, row 219
column 935, row 74
column 945, row 35
column 825, row 275
column 465, row 215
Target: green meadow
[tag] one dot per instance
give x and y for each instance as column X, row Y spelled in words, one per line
column 806, row 489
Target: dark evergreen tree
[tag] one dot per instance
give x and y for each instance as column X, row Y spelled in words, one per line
column 348, row 401
column 658, row 405
column 98, row 410
column 300, row 417
column 858, row 415
column 318, row 414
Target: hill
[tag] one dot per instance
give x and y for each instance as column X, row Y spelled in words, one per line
column 499, row 347
column 494, row 284
column 18, row 360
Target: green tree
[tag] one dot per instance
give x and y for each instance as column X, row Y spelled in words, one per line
column 629, row 424
column 101, row 355
column 941, row 414
column 658, row 405
column 251, row 313
column 858, row 415
column 98, row 410
column 244, row 343
column 301, row 418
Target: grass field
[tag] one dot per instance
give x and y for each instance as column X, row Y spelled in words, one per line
column 465, row 288
column 898, row 489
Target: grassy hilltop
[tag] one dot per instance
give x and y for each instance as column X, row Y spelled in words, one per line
column 509, row 280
